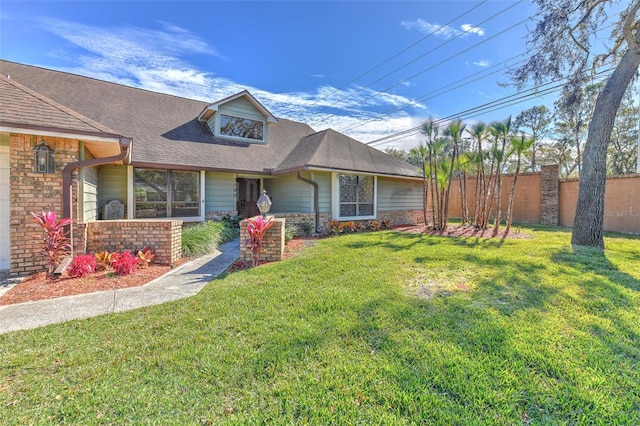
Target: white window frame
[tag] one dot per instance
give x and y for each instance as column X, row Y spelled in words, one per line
column 219, row 115
column 131, row 202
column 335, row 197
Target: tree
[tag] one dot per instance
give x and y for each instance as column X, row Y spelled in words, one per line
column 519, row 145
column 622, row 155
column 420, row 154
column 500, row 130
column 562, row 42
column 454, row 133
column 536, row 121
column 479, row 132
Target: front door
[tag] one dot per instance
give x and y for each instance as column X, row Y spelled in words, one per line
column 248, row 193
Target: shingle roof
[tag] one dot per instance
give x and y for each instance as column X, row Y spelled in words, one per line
column 166, row 131
column 20, row 106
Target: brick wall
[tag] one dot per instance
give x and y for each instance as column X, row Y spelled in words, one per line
column 163, row 237
column 405, row 217
column 298, row 218
column 218, row 215
column 273, row 244
column 550, row 195
column 35, row 192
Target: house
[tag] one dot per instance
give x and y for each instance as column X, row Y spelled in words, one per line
column 167, row 157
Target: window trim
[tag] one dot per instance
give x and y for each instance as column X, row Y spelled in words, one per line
column 219, row 115
column 335, row 198
column 131, row 193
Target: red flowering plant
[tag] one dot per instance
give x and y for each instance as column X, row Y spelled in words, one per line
column 82, row 265
column 55, row 243
column 257, row 229
column 125, row 263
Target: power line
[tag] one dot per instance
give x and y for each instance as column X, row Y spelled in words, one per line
column 399, row 53
column 344, row 98
column 495, row 105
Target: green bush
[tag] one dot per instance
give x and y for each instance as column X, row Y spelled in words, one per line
column 290, row 232
column 205, row 237
column 306, row 228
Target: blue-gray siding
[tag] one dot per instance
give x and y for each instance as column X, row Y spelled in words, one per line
column 399, row 194
column 219, row 191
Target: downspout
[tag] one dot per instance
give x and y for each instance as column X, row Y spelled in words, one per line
column 316, row 204
column 124, row 156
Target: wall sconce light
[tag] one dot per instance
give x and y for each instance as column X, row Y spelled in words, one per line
column 43, row 158
column 264, row 203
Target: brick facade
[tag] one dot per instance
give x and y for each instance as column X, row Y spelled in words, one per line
column 35, row 192
column 163, row 237
column 298, row 218
column 273, row 244
column 405, row 217
column 550, row 195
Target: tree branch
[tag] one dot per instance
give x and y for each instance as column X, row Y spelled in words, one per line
column 627, row 28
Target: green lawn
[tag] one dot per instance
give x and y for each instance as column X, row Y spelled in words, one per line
column 377, row 328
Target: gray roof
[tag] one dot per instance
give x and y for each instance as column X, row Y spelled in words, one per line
column 166, row 131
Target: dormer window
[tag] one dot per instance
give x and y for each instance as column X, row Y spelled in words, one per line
column 239, row 127
column 239, row 117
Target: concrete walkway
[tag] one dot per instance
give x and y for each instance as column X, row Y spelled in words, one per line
column 181, row 282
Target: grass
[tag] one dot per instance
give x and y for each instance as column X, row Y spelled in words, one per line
column 377, row 328
column 203, row 238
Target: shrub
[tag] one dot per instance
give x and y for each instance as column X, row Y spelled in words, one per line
column 360, row 226
column 306, row 228
column 206, row 237
column 347, row 227
column 386, row 223
column 374, row 225
column 125, row 264
column 257, row 229
column 145, row 257
column 55, row 244
column 232, row 220
column 82, row 265
column 290, row 232
column 105, row 259
column 334, row 227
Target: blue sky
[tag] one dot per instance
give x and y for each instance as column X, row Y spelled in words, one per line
column 366, row 68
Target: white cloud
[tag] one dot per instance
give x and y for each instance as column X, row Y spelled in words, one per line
column 468, row 28
column 444, row 31
column 482, row 63
column 153, row 60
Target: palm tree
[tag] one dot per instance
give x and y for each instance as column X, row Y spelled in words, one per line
column 479, row 132
column 518, row 146
column 434, row 145
column 420, row 154
column 500, row 131
column 463, row 162
column 454, row 133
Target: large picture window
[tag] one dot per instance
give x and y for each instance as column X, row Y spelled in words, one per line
column 356, row 195
column 166, row 193
column 239, row 127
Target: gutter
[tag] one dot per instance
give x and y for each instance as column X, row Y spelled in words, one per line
column 316, row 204
column 124, row 156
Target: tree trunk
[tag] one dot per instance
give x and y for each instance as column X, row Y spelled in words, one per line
column 589, row 219
column 512, row 197
column 425, row 192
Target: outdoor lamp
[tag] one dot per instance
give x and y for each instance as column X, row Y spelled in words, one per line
column 43, row 158
column 264, row 203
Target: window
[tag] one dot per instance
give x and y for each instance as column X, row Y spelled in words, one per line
column 239, row 127
column 356, row 195
column 166, row 193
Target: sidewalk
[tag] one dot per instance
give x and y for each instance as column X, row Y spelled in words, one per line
column 181, row 282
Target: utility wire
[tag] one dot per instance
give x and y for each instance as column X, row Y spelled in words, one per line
column 378, row 93
column 501, row 103
column 439, row 28
column 442, row 90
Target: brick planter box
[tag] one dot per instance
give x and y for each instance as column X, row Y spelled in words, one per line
column 273, row 245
